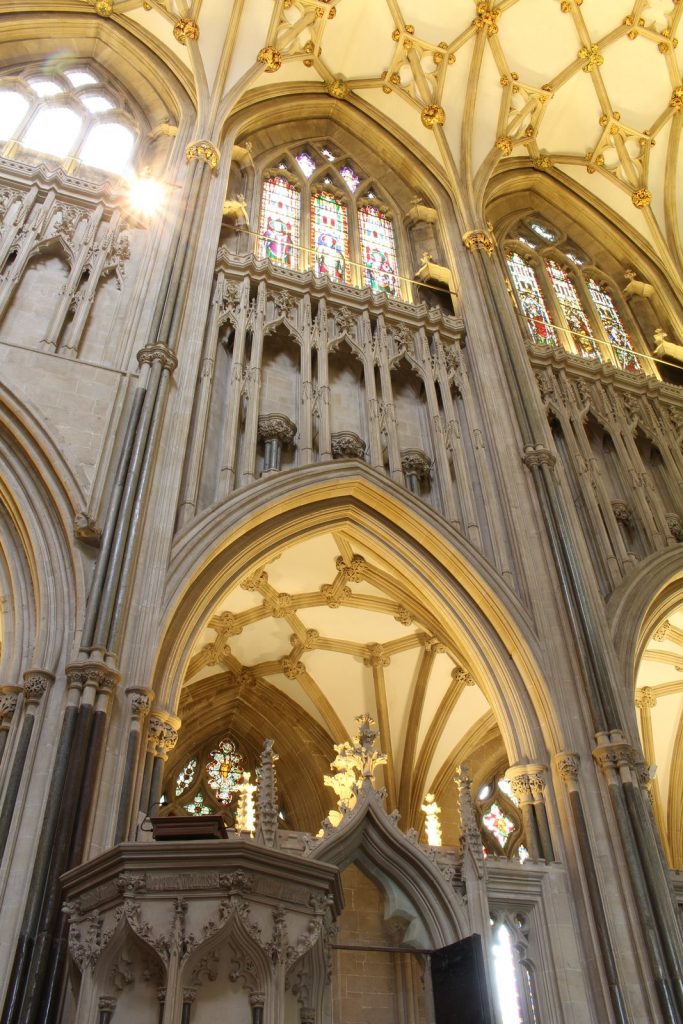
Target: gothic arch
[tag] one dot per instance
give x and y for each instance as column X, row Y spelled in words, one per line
column 457, row 586
column 39, row 497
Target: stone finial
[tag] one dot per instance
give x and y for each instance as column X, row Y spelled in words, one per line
column 267, row 803
column 470, row 836
column 355, row 763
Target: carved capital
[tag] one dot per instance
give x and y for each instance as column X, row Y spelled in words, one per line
column 8, row 701
column 204, row 150
column 36, row 683
column 613, row 752
column 537, row 455
column 478, row 240
column 347, row 445
column 162, row 733
column 414, row 462
column 158, row 353
column 567, row 765
column 276, row 426
column 94, row 673
column 140, row 701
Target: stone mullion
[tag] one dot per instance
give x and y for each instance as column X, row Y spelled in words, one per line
column 8, row 705
column 72, row 344
column 323, row 384
column 375, row 434
column 436, row 435
column 254, row 389
column 36, row 683
column 601, row 512
column 16, row 271
column 51, row 339
column 306, row 426
column 646, row 699
column 611, row 754
column 190, row 493
column 491, row 511
column 454, row 430
column 228, row 473
column 393, row 449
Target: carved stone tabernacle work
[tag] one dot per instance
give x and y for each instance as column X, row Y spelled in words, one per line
column 478, row 240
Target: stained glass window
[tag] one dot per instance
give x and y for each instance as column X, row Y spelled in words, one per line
column 499, row 825
column 185, row 777
column 577, row 321
column 378, row 251
column 531, row 300
column 306, row 163
column 350, row 177
column 329, row 236
column 198, row 806
column 543, row 231
column 327, row 153
column 279, row 227
column 614, row 328
column 224, row 770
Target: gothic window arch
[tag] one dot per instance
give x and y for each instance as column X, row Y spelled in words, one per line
column 566, row 300
column 208, row 781
column 500, row 820
column 319, row 212
column 67, row 113
column 513, row 970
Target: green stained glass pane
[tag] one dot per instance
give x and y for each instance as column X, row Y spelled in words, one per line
column 224, row 770
column 279, row 224
column 378, row 251
column 614, row 328
column 499, row 825
column 329, row 236
column 531, row 301
column 581, row 334
column 185, row 778
column 198, row 806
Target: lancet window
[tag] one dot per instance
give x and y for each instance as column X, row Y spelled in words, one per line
column 513, row 974
column 564, row 301
column 69, row 115
column 318, row 212
column 208, row 782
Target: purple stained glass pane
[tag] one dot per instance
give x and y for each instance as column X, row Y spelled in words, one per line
column 306, row 163
column 614, row 328
column 581, row 334
column 329, row 236
column 350, row 177
column 531, row 301
column 378, row 251
column 279, row 224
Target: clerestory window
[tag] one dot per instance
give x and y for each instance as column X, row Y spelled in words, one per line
column 565, row 301
column 319, row 212
column 70, row 115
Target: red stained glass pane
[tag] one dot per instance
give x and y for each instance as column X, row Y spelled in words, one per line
column 279, row 225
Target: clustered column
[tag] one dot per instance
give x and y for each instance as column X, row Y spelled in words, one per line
column 528, row 788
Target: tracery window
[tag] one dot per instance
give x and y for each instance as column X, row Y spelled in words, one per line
column 317, row 212
column 69, row 115
column 500, row 820
column 563, row 300
column 513, row 974
column 208, row 782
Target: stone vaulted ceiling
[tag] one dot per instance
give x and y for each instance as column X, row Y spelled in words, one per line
column 587, row 90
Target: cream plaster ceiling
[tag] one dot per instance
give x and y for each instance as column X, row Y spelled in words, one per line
column 340, row 635
column 590, row 89
column 660, row 695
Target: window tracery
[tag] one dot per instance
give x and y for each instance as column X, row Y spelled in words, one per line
column 564, row 300
column 318, row 213
column 68, row 114
column 500, row 820
column 209, row 781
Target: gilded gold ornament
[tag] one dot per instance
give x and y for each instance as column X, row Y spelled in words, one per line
column 185, row 29
column 677, row 98
column 433, row 115
column 104, row 8
column 478, row 241
column 271, row 57
column 204, row 150
column 487, row 16
column 641, row 198
column 339, row 89
column 504, row 144
column 592, row 57
column 542, row 163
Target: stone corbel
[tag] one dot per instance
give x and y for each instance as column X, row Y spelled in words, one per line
column 86, row 530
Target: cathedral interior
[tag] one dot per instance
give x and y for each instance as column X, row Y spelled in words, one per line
column 341, row 512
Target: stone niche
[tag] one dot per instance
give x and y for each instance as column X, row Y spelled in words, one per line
column 203, row 931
